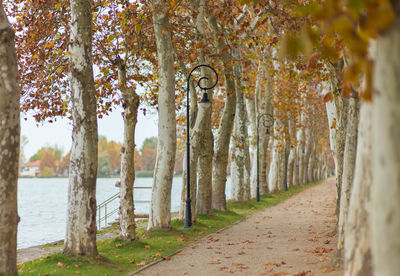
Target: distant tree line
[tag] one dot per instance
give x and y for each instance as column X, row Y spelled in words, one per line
column 54, row 163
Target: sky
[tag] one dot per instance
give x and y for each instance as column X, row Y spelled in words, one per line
column 59, row 133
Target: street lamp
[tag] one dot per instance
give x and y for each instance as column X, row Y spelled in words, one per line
column 268, row 121
column 188, row 213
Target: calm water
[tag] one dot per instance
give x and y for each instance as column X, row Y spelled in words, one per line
column 42, row 205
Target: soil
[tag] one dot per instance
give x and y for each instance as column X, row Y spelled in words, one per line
column 295, row 237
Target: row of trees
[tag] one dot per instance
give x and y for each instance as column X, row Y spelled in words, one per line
column 277, row 57
column 53, row 163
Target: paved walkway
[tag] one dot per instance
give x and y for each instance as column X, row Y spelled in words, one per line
column 292, row 238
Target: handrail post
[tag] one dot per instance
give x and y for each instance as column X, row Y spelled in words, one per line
column 105, row 216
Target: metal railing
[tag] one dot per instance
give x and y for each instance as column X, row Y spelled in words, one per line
column 106, row 213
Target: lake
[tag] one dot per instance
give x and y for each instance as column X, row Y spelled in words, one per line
column 42, row 205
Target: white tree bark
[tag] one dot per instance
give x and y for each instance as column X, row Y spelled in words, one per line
column 251, row 111
column 342, row 110
column 348, row 171
column 357, row 245
column 240, row 156
column 385, row 215
column 222, row 142
column 130, row 104
column 160, row 207
column 81, row 218
column 9, row 147
column 291, row 164
column 332, row 119
column 276, row 162
column 205, row 161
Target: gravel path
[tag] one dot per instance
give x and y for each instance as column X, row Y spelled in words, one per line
column 292, row 238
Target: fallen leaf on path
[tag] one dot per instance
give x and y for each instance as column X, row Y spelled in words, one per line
column 237, row 264
column 303, row 273
column 227, row 257
column 278, row 273
column 283, row 262
column 296, row 249
column 327, row 242
column 167, row 258
column 184, row 273
column 320, row 250
column 272, row 263
column 241, row 253
column 60, row 264
column 267, row 247
column 291, row 240
column 141, row 263
column 214, row 239
column 209, row 247
column 327, row 269
column 215, row 261
column 223, row 268
column 248, row 241
column 180, row 253
column 264, row 272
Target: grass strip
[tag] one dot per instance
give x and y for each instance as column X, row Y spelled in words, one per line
column 118, row 257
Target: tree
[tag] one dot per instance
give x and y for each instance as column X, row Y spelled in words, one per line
column 160, row 216
column 9, row 147
column 385, row 209
column 81, row 219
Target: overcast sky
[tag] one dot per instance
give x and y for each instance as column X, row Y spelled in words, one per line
column 59, row 133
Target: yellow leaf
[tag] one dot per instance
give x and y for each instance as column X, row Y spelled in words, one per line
column 138, row 27
column 49, row 45
column 35, row 56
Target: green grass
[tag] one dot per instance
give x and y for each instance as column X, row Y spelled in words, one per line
column 119, row 257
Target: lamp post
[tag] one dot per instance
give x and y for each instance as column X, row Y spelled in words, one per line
column 188, row 213
column 268, row 121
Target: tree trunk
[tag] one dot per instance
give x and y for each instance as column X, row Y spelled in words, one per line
column 9, row 147
column 357, row 245
column 160, row 207
column 221, row 150
column 240, row 166
column 385, row 215
column 307, row 153
column 251, row 111
column 276, row 162
column 342, row 110
column 204, row 193
column 81, row 218
column 290, row 170
column 265, row 139
column 332, row 120
column 130, row 105
column 198, row 138
column 348, row 171
column 205, row 161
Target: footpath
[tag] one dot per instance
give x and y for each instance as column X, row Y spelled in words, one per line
column 293, row 238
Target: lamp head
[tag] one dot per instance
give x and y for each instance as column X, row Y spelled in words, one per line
column 205, row 98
